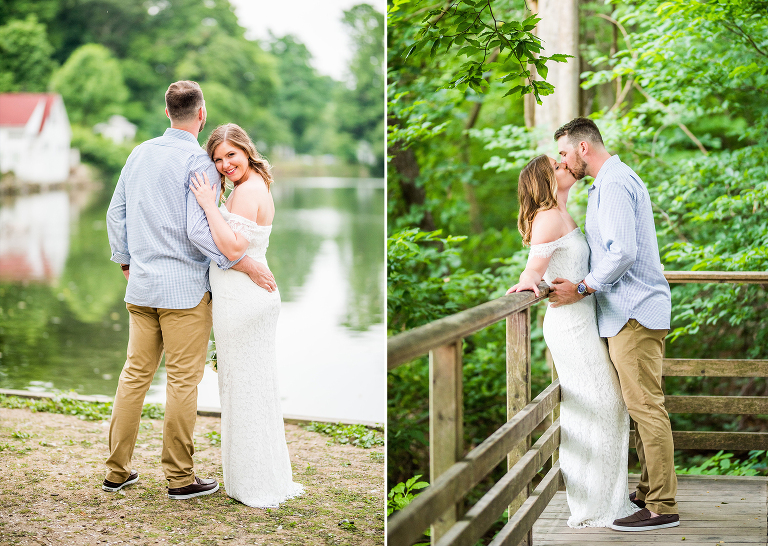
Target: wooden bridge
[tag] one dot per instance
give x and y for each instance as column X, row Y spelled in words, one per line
column 713, row 509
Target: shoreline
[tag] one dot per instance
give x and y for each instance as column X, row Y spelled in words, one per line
column 201, row 410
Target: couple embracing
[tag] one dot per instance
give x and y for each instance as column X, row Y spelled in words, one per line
column 608, row 285
column 191, row 265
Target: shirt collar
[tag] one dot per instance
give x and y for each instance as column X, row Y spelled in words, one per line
column 601, row 173
column 181, row 134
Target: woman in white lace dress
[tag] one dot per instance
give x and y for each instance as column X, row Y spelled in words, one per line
column 593, row 417
column 257, row 468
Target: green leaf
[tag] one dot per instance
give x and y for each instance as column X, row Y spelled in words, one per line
column 560, row 58
column 468, row 50
column 518, row 89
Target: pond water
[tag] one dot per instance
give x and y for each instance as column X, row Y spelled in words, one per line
column 64, row 326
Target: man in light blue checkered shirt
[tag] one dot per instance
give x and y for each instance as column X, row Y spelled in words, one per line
column 633, row 309
column 160, row 236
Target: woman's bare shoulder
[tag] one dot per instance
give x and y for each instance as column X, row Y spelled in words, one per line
column 254, row 186
column 548, row 226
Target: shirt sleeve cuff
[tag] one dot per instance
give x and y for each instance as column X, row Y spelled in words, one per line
column 120, row 258
column 590, row 281
column 226, row 264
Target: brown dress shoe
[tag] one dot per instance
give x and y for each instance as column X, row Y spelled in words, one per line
column 113, row 486
column 643, row 521
column 197, row 488
column 634, row 500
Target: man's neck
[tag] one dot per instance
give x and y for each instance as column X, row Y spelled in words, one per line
column 594, row 166
column 194, row 129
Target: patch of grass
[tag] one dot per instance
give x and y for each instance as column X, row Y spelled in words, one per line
column 19, row 451
column 153, row 411
column 347, row 525
column 19, row 435
column 214, row 437
column 356, row 435
column 63, row 404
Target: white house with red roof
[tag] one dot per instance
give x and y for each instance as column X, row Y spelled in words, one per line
column 34, row 137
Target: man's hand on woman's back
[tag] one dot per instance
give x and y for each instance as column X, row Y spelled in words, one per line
column 258, row 272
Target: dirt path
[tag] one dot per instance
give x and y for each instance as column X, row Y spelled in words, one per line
column 52, row 466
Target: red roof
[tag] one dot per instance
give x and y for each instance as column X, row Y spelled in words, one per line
column 16, row 108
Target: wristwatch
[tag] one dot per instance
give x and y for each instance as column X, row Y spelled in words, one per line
column 581, row 288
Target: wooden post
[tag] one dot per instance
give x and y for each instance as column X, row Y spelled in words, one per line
column 519, row 391
column 446, row 417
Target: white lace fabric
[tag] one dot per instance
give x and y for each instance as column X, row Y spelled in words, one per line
column 257, row 236
column 593, row 417
column 255, row 459
column 545, row 250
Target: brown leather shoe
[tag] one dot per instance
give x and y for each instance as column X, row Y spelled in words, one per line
column 634, row 500
column 643, row 521
column 114, row 486
column 197, row 488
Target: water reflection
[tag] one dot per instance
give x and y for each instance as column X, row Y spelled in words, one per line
column 34, row 237
column 63, row 322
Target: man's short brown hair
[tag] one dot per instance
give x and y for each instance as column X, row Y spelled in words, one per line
column 580, row 129
column 183, row 100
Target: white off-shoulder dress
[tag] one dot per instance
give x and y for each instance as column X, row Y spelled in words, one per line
column 257, row 467
column 593, row 417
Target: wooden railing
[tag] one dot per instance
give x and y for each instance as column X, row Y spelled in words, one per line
column 454, row 474
column 733, row 405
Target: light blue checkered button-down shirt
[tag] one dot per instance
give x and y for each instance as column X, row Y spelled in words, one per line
column 624, row 263
column 156, row 225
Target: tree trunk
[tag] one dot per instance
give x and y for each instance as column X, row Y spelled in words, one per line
column 559, row 32
column 406, row 165
column 475, row 221
column 529, row 101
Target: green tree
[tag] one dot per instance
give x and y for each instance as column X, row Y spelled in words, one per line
column 91, row 84
column 44, row 10
column 241, row 73
column 25, row 56
column 304, row 96
column 361, row 108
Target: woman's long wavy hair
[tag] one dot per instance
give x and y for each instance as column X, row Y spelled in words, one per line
column 536, row 191
column 236, row 136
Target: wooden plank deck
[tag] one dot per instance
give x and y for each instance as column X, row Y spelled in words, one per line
column 714, row 510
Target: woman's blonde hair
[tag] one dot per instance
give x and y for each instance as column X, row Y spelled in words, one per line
column 236, row 136
column 536, row 191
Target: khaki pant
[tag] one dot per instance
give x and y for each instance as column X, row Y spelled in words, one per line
column 637, row 354
column 183, row 334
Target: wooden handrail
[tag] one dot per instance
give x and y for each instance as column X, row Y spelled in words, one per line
column 715, row 441
column 404, row 347
column 705, row 367
column 746, row 277
column 732, row 405
column 407, row 526
column 519, row 524
column 492, row 505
